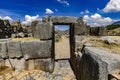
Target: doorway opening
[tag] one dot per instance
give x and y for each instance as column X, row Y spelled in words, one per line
column 62, row 42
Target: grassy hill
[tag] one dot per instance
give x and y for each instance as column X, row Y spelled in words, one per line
column 115, row 31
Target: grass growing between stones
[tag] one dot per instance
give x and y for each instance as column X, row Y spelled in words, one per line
column 113, row 47
column 4, row 70
column 24, row 39
column 96, row 41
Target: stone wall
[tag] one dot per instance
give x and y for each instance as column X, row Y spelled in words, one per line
column 28, row 55
column 81, row 28
column 96, row 63
column 98, row 31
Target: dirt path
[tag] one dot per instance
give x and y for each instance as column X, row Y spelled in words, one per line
column 62, row 48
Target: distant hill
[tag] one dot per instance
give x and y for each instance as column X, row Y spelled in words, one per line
column 114, row 29
column 118, row 22
column 114, row 25
column 114, row 32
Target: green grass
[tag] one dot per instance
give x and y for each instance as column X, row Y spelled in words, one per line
column 114, row 31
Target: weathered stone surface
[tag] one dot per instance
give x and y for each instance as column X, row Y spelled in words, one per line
column 33, row 26
column 43, row 30
column 14, row 49
column 16, row 63
column 103, row 31
column 30, row 64
column 79, row 38
column 3, row 50
column 97, row 63
column 2, row 62
column 112, row 59
column 79, row 41
column 60, row 19
column 81, row 28
column 110, row 39
column 36, row 49
column 44, row 64
column 87, row 45
column 92, row 67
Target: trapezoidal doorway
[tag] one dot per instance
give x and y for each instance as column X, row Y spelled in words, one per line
column 62, row 41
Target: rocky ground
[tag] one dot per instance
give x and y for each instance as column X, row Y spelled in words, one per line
column 109, row 42
column 62, row 71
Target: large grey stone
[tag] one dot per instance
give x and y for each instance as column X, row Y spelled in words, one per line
column 16, row 63
column 43, row 30
column 112, row 59
column 3, row 50
column 97, row 63
column 79, row 41
column 33, row 26
column 14, row 49
column 36, row 49
column 92, row 67
column 103, row 31
column 81, row 28
column 44, row 64
column 60, row 19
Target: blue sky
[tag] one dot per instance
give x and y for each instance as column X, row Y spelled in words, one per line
column 94, row 12
column 62, row 27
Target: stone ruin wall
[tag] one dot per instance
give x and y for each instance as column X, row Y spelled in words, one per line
column 15, row 29
column 39, row 53
column 26, row 55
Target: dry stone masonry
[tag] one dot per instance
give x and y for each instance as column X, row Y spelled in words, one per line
column 89, row 64
column 21, row 54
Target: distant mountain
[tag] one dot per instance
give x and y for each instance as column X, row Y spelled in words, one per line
column 118, row 22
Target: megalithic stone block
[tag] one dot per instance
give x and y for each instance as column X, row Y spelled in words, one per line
column 44, row 64
column 43, row 30
column 60, row 19
column 3, row 50
column 92, row 67
column 19, row 64
column 14, row 49
column 36, row 49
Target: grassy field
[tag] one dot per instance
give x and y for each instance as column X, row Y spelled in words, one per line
column 114, row 31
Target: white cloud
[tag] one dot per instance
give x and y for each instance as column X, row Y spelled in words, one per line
column 81, row 12
column 97, row 20
column 7, row 18
column 64, row 2
column 98, row 9
column 94, row 24
column 0, row 17
column 29, row 19
column 97, row 17
column 86, row 18
column 49, row 11
column 85, row 12
column 112, row 6
column 56, row 10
